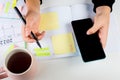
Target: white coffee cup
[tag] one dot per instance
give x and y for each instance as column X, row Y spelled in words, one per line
column 20, row 64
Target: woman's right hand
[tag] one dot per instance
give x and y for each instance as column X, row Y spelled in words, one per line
column 32, row 21
column 32, row 24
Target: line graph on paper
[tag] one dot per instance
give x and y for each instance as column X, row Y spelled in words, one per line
column 10, row 31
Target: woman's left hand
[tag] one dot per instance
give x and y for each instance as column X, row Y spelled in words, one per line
column 101, row 24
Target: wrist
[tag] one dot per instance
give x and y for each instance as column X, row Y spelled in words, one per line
column 33, row 5
column 31, row 11
column 103, row 9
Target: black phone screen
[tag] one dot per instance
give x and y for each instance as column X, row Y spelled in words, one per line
column 89, row 45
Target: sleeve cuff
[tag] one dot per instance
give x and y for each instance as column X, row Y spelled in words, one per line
column 98, row 3
column 40, row 1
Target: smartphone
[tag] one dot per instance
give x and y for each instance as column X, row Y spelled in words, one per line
column 89, row 45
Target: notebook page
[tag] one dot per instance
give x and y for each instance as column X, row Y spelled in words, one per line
column 81, row 11
column 56, row 22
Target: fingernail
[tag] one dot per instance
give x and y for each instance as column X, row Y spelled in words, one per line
column 88, row 32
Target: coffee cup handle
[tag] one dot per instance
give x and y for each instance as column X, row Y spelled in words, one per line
column 3, row 73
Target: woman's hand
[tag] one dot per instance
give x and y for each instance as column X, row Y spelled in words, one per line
column 3, row 74
column 101, row 24
column 32, row 24
column 32, row 21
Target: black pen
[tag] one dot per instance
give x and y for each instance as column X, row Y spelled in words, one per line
column 32, row 34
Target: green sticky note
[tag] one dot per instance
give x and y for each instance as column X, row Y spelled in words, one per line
column 11, row 47
column 7, row 7
column 42, row 51
column 25, row 45
column 14, row 3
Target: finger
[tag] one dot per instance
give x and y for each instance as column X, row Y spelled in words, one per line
column 103, row 33
column 29, row 39
column 27, row 31
column 3, row 75
column 26, row 38
column 35, row 28
column 2, row 70
column 93, row 29
column 38, row 35
column 41, row 35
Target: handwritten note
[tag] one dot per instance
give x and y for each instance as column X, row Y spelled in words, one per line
column 10, row 31
column 63, row 43
column 49, row 21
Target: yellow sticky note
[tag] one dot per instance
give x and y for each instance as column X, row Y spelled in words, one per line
column 63, row 43
column 7, row 7
column 49, row 21
column 14, row 3
column 42, row 51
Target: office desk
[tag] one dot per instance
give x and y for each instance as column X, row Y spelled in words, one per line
column 73, row 68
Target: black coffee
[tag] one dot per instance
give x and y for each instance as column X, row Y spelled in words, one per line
column 19, row 62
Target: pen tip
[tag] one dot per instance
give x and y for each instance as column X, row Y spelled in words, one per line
column 39, row 44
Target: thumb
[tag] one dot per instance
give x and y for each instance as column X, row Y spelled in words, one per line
column 93, row 29
column 3, row 74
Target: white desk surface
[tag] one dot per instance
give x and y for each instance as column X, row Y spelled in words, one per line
column 73, row 68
